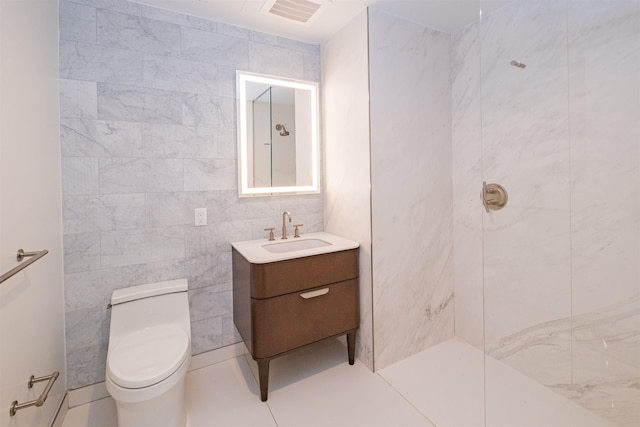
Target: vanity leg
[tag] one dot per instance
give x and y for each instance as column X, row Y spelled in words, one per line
column 351, row 346
column 263, row 377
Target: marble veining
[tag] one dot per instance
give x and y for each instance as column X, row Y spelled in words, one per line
column 604, row 374
column 148, row 135
column 549, row 285
column 347, row 202
column 411, row 201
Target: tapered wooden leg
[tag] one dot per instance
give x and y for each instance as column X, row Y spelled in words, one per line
column 263, row 378
column 351, row 347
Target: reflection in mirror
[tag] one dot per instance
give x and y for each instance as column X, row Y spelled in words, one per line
column 277, row 135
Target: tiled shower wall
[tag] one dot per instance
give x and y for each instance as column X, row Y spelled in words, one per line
column 550, row 285
column 347, row 203
column 411, row 197
column 148, row 134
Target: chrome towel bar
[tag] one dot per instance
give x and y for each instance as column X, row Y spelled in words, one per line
column 34, row 256
column 15, row 406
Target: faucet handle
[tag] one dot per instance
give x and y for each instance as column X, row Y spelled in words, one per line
column 271, row 235
column 296, row 232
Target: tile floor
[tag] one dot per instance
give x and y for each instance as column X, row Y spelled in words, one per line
column 442, row 386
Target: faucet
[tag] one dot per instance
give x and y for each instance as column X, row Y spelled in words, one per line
column 284, row 225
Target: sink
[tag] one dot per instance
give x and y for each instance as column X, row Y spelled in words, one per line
column 295, row 245
column 262, row 251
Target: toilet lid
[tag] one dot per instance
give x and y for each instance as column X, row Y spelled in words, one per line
column 146, row 357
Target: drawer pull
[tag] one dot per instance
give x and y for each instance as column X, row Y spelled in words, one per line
column 316, row 293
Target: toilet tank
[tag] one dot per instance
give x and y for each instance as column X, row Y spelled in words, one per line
column 138, row 307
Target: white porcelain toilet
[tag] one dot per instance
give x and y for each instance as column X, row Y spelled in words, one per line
column 149, row 353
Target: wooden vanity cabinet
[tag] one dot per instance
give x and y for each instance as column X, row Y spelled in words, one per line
column 282, row 306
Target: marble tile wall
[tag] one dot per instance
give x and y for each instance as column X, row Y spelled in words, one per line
column 525, row 148
column 466, row 146
column 411, row 201
column 347, row 195
column 560, row 264
column 604, row 102
column 148, row 134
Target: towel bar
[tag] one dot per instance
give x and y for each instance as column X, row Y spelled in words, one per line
column 15, row 406
column 20, row 256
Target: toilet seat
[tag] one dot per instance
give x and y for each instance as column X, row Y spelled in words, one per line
column 146, row 357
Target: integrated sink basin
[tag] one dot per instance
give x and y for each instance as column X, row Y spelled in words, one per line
column 289, row 293
column 263, row 251
column 294, row 245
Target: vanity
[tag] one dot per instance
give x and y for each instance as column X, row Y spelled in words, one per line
column 290, row 293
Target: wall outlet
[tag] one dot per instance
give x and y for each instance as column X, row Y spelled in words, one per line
column 201, row 217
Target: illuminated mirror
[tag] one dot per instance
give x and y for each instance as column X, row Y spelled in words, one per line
column 277, row 135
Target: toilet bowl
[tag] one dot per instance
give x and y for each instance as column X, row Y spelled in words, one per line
column 149, row 353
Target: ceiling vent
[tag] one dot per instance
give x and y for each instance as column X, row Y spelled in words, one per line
column 300, row 11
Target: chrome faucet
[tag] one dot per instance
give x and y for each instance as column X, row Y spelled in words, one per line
column 284, row 225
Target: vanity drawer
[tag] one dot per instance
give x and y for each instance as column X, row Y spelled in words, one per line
column 288, row 321
column 283, row 277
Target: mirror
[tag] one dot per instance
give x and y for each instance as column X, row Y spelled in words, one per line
column 278, row 135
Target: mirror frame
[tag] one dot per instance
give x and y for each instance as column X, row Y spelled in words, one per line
column 242, row 78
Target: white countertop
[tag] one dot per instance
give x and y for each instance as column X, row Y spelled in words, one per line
column 254, row 251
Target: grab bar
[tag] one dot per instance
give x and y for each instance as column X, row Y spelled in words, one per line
column 15, row 406
column 20, row 255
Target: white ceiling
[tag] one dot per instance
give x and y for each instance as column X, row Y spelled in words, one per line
column 444, row 15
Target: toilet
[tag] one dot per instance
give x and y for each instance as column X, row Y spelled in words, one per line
column 149, row 353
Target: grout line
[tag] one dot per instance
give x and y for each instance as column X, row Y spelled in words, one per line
column 406, row 399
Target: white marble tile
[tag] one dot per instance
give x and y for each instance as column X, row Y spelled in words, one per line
column 346, row 193
column 216, row 49
column 208, row 111
column 176, row 141
column 224, row 205
column 171, row 17
column 210, row 269
column 84, row 61
column 216, row 237
column 230, row 334
column 412, row 199
column 604, row 66
column 87, row 332
column 233, row 31
column 170, row 269
column 210, row 174
column 140, row 245
column 81, row 252
column 126, row 137
column 264, row 38
column 98, row 138
column 81, row 214
column 466, row 134
column 78, row 99
column 103, row 213
column 130, row 103
column 210, row 301
column 136, row 33
column 124, row 6
column 77, row 22
column 80, row 175
column 206, row 334
column 87, row 289
column 161, row 72
column 172, row 208
column 140, row 175
column 571, row 414
column 275, row 60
